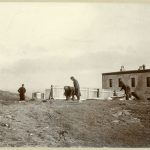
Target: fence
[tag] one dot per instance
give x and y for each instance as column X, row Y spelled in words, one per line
column 86, row 93
column 106, row 93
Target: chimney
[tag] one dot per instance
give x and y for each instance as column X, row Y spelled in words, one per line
column 144, row 67
column 140, row 68
column 122, row 68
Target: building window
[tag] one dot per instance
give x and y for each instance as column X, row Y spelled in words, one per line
column 148, row 81
column 110, row 82
column 132, row 82
column 119, row 85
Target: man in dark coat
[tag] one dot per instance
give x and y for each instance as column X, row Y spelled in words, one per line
column 22, row 92
column 126, row 89
column 69, row 92
column 76, row 87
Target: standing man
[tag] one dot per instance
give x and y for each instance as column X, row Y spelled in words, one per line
column 76, row 87
column 126, row 89
column 22, row 92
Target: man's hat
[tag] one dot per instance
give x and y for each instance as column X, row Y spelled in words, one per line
column 72, row 77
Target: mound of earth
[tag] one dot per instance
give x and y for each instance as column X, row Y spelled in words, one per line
column 59, row 123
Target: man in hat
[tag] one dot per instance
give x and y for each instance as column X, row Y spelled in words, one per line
column 76, row 87
column 126, row 89
column 22, row 92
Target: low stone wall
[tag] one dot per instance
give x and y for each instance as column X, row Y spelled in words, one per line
column 106, row 93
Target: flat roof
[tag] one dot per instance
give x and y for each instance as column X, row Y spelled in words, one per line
column 127, row 72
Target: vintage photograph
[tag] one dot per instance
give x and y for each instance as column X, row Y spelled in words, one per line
column 75, row 74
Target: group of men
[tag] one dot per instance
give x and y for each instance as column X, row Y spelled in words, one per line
column 72, row 91
column 75, row 92
column 69, row 91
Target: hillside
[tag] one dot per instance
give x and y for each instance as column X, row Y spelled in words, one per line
column 6, row 95
column 71, row 124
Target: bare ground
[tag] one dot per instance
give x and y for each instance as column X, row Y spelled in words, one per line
column 71, row 124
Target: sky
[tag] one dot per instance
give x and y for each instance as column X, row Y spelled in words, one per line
column 46, row 43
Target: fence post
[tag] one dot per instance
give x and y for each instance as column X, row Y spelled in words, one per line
column 88, row 93
column 98, row 93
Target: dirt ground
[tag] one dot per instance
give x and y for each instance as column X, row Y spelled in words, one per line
column 92, row 123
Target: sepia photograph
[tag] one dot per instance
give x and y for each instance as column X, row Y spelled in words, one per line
column 75, row 74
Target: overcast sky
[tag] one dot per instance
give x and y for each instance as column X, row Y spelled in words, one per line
column 46, row 43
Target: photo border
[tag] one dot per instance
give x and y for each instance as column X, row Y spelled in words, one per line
column 74, row 1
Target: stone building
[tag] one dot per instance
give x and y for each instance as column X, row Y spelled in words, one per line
column 138, row 80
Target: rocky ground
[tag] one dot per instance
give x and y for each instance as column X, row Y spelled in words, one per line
column 92, row 123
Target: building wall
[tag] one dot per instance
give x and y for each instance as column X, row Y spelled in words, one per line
column 140, row 88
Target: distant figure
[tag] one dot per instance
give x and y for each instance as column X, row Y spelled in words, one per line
column 22, row 92
column 51, row 95
column 76, row 87
column 126, row 89
column 114, row 93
